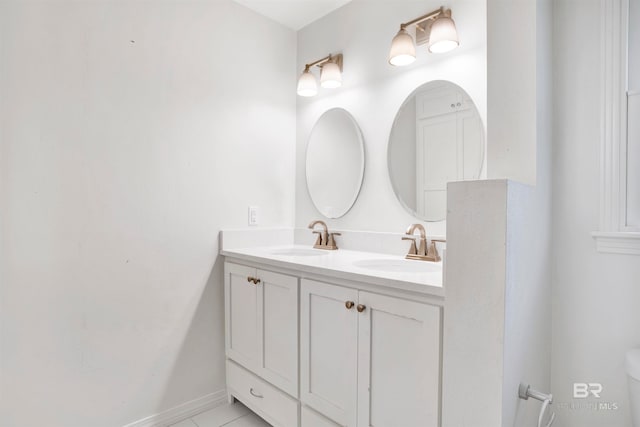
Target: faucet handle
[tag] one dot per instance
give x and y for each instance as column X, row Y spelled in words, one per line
column 332, row 240
column 433, row 251
column 413, row 250
column 319, row 239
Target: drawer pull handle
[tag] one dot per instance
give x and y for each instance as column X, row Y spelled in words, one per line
column 361, row 308
column 349, row 305
column 253, row 393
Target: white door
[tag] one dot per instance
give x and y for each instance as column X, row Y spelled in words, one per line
column 399, row 363
column 436, row 163
column 448, row 147
column 278, row 300
column 328, row 350
column 243, row 337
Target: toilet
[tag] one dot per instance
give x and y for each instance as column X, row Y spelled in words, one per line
column 633, row 371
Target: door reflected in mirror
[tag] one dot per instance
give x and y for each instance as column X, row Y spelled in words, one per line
column 437, row 137
column 335, row 163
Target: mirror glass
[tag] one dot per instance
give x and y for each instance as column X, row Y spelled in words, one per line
column 437, row 137
column 335, row 163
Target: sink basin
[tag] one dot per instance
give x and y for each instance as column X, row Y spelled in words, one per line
column 399, row 266
column 298, row 252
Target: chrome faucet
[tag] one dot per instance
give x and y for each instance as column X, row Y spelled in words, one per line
column 420, row 252
column 325, row 239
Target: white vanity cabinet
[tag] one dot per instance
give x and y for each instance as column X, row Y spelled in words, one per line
column 369, row 359
column 366, row 358
column 329, row 350
column 399, row 364
column 261, row 314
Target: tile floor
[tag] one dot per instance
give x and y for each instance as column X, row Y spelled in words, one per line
column 234, row 415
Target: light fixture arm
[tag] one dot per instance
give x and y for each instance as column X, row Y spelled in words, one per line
column 430, row 15
column 330, row 58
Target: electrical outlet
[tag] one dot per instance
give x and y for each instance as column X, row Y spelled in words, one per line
column 253, row 215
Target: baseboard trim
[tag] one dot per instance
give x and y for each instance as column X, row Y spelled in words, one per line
column 183, row 411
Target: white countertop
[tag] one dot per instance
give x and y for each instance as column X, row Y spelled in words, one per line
column 425, row 277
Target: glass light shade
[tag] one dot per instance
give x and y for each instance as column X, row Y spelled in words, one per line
column 443, row 36
column 403, row 49
column 330, row 76
column 307, row 85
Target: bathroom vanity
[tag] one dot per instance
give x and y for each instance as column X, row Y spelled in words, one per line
column 333, row 338
column 361, row 336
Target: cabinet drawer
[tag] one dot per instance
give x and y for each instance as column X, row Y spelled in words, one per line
column 266, row 400
column 311, row 418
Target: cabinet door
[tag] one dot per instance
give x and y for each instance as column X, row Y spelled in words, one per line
column 243, row 337
column 399, row 363
column 328, row 353
column 279, row 306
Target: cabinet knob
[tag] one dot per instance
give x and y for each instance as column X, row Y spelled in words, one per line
column 361, row 308
column 256, row 281
column 349, row 305
column 249, row 279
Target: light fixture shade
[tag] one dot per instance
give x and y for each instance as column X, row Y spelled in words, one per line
column 330, row 76
column 307, row 85
column 403, row 49
column 443, row 36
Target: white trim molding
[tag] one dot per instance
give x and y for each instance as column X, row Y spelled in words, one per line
column 613, row 112
column 183, row 411
column 613, row 236
column 623, row 242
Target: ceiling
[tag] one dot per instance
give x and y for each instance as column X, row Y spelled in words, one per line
column 294, row 14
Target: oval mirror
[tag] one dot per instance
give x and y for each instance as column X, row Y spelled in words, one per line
column 437, row 137
column 335, row 163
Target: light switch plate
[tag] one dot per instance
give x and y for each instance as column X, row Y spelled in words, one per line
column 253, row 215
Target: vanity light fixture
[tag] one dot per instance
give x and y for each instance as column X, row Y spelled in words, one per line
column 435, row 29
column 330, row 75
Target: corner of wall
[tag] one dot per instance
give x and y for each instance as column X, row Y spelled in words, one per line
column 474, row 303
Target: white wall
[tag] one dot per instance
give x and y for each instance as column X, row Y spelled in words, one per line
column 474, row 311
column 511, row 80
column 373, row 91
column 595, row 296
column 520, row 132
column 497, row 322
column 498, row 258
column 131, row 133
